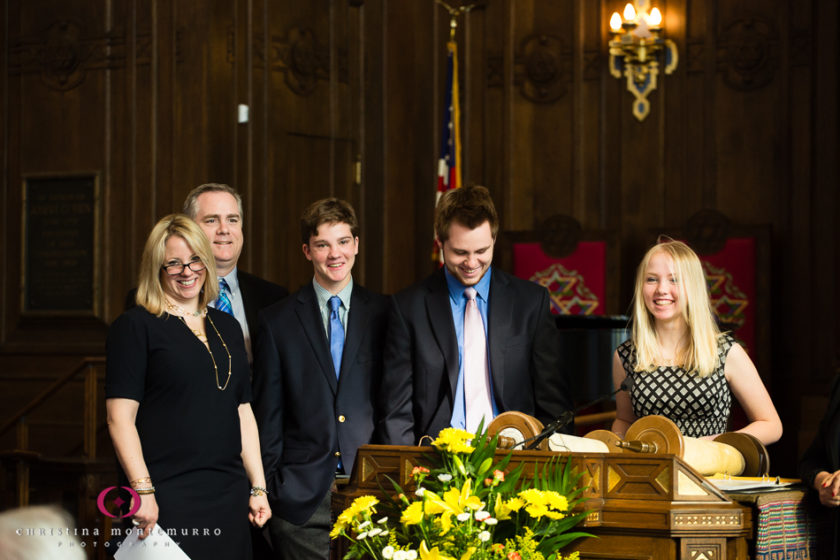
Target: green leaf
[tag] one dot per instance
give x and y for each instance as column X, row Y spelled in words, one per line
column 484, row 468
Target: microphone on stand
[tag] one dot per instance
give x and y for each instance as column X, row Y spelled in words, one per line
column 626, row 385
column 568, row 416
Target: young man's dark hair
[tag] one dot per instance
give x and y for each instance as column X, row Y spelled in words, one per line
column 469, row 206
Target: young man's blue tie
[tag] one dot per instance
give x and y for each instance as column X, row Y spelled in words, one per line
column 336, row 334
column 223, row 301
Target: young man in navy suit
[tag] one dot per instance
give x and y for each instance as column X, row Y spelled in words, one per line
column 426, row 386
column 317, row 362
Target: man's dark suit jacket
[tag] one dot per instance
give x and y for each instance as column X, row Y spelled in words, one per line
column 257, row 294
column 421, row 357
column 304, row 415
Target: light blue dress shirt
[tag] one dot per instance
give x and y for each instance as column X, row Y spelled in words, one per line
column 458, row 304
column 324, row 296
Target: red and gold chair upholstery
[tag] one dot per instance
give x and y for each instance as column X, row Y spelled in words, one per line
column 736, row 261
column 580, row 271
column 579, row 268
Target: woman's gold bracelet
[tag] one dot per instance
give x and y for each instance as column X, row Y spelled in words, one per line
column 258, row 491
column 149, row 490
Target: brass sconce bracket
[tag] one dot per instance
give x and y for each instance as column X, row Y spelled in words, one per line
column 635, row 52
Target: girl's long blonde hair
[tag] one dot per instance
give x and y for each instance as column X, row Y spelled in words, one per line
column 700, row 354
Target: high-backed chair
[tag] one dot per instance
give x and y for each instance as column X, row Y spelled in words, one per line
column 579, row 268
column 736, row 261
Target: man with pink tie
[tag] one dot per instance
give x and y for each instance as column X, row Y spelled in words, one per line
column 470, row 341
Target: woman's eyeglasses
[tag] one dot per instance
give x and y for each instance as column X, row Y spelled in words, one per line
column 174, row 269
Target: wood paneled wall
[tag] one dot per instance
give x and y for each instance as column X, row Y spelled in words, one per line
column 344, row 99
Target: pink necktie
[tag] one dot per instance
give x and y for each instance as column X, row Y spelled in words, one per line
column 476, row 380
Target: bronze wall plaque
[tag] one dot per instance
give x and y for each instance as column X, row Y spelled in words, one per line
column 60, row 217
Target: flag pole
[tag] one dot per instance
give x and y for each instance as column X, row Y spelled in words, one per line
column 449, row 163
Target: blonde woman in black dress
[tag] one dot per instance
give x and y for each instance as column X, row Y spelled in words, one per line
column 178, row 401
column 681, row 366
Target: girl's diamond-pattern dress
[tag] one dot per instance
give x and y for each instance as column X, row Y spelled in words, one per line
column 699, row 406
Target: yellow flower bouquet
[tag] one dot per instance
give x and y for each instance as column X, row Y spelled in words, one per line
column 468, row 507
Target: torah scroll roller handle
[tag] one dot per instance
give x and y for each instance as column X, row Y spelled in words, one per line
column 731, row 453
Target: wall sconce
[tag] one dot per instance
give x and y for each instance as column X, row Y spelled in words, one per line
column 635, row 49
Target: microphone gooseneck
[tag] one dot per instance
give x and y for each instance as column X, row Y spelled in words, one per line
column 568, row 416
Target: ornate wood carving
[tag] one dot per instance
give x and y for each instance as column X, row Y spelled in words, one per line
column 707, row 231
column 591, row 65
column 495, row 70
column 694, row 52
column 748, row 53
column 560, row 235
column 708, row 520
column 64, row 53
column 303, row 60
column 706, row 549
column 543, row 68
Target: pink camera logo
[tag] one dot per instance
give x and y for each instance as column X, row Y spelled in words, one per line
column 118, row 502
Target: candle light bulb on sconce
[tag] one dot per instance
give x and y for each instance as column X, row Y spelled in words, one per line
column 655, row 19
column 636, row 48
column 615, row 22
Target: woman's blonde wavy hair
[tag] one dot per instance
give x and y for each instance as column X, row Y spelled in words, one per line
column 700, row 354
column 149, row 288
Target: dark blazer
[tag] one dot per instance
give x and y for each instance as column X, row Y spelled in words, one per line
column 824, row 455
column 257, row 294
column 304, row 415
column 421, row 357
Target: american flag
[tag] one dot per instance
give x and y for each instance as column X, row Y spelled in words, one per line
column 449, row 164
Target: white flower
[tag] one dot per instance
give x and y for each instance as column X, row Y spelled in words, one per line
column 362, row 525
column 388, row 552
column 419, row 492
column 361, row 536
column 491, row 520
column 484, row 536
column 481, row 515
column 444, row 477
column 463, row 516
column 374, row 532
column 411, row 555
column 383, row 521
column 399, row 555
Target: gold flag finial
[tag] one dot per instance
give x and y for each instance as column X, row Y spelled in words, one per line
column 453, row 15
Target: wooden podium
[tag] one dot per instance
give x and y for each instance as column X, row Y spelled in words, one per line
column 641, row 506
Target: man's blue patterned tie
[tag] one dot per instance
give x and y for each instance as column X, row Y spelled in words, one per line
column 223, row 301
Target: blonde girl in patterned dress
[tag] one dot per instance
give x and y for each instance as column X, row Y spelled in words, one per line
column 677, row 363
